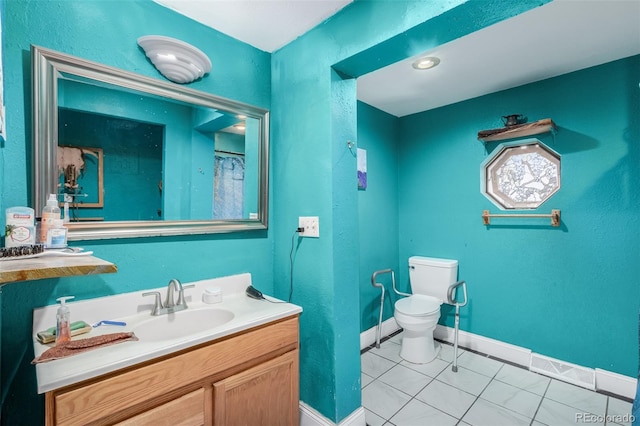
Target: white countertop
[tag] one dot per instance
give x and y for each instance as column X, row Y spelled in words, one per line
column 133, row 308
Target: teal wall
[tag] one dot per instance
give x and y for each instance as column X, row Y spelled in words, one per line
column 251, row 164
column 569, row 292
column 177, row 121
column 378, row 134
column 132, row 165
column 239, row 72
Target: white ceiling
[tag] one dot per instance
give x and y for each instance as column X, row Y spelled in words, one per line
column 557, row 38
column 265, row 24
column 554, row 39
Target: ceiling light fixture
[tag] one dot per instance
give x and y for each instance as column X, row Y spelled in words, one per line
column 178, row 61
column 425, row 62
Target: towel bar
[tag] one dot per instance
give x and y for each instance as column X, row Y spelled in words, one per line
column 554, row 215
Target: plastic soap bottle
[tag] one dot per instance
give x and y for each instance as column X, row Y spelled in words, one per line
column 63, row 321
column 57, row 235
column 50, row 212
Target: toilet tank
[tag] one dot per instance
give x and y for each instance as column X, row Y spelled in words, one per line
column 432, row 276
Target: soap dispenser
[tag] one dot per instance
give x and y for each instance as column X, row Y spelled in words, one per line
column 63, row 327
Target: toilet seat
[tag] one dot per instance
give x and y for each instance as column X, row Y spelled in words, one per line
column 418, row 305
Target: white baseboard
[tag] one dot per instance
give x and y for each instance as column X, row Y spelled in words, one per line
column 485, row 345
column 310, row 417
column 615, row 383
column 606, row 381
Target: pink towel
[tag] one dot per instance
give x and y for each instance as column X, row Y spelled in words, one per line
column 82, row 345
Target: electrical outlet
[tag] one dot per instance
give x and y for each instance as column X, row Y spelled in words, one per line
column 311, row 226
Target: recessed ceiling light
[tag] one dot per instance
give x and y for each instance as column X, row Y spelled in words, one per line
column 425, row 63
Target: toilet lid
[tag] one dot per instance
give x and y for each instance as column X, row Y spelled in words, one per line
column 418, row 305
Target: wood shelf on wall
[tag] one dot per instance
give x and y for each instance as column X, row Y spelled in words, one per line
column 518, row 130
column 52, row 267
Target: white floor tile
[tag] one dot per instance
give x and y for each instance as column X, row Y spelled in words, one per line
column 479, row 363
column 382, row 399
column 508, row 395
column 556, row 414
column 619, row 411
column 417, row 413
column 512, row 398
column 431, row 369
column 466, row 380
column 408, row 381
column 388, row 350
column 446, row 398
column 523, row 379
column 579, row 398
column 365, row 379
column 485, row 413
column 373, row 419
column 374, row 365
column 446, row 352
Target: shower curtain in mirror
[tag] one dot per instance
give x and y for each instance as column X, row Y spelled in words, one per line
column 228, row 187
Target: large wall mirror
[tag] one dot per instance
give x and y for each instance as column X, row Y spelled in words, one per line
column 132, row 156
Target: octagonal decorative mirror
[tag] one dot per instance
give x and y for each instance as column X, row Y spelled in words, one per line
column 520, row 175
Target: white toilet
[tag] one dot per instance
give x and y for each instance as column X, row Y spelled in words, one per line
column 418, row 313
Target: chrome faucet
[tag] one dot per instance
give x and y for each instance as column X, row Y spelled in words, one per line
column 169, row 305
column 173, row 286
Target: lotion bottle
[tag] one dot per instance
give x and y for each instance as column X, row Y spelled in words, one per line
column 63, row 321
column 50, row 212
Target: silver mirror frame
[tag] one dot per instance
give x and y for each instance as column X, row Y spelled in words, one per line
column 47, row 65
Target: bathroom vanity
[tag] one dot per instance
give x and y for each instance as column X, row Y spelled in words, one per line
column 250, row 378
column 244, row 371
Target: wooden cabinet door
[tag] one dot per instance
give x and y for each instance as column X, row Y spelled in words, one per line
column 266, row 394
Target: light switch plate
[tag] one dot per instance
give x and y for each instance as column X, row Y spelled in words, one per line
column 310, row 225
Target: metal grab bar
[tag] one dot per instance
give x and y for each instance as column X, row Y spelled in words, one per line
column 452, row 297
column 380, row 286
column 452, row 300
column 450, row 293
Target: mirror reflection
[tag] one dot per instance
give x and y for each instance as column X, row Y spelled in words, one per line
column 138, row 155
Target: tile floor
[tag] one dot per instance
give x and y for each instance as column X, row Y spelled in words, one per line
column 484, row 391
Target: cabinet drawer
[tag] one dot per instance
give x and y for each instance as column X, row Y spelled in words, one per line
column 188, row 410
column 100, row 398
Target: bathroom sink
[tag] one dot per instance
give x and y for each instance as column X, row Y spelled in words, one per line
column 182, row 323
